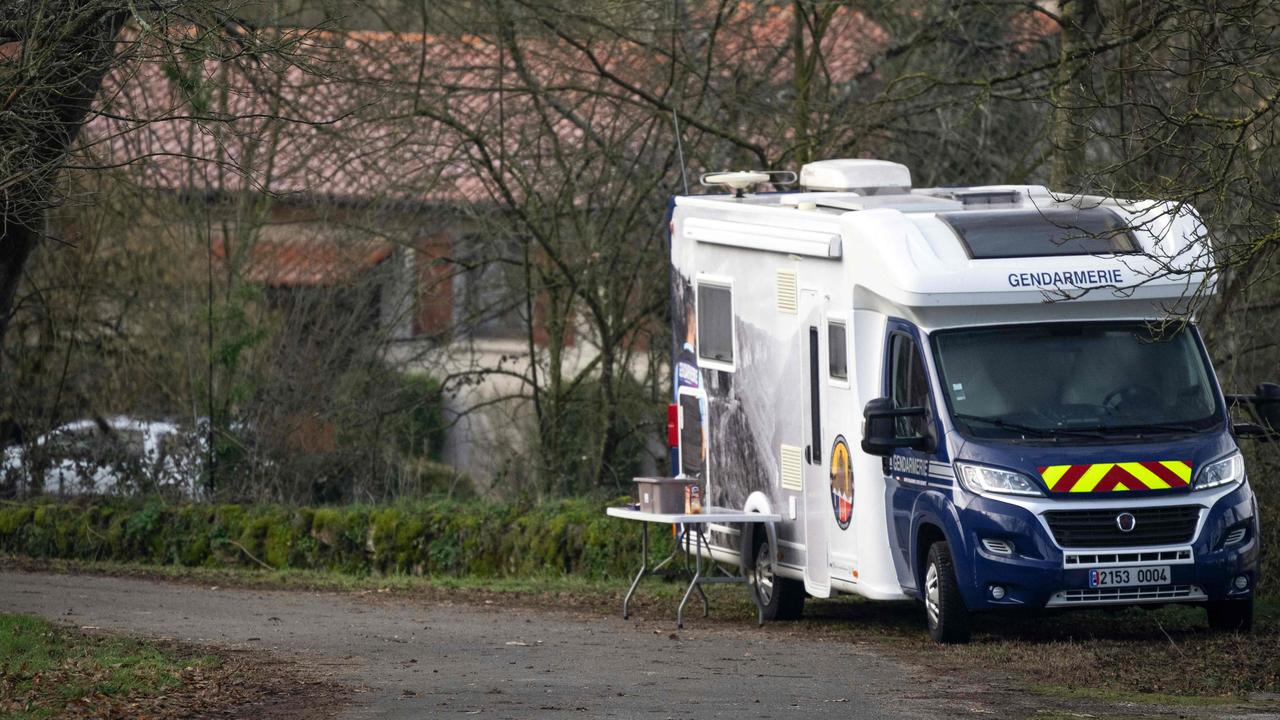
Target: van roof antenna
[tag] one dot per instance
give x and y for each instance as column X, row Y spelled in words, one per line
column 740, row 180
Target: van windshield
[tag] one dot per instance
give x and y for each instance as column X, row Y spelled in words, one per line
column 1087, row 380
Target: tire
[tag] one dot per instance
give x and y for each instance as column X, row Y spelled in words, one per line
column 944, row 610
column 1231, row 615
column 781, row 598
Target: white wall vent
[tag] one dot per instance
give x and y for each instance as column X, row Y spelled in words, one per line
column 786, row 291
column 866, row 177
column 792, row 462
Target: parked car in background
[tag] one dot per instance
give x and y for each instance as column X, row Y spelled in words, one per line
column 109, row 456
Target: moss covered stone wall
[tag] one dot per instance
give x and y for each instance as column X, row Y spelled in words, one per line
column 428, row 538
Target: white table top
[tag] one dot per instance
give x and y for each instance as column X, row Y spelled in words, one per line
column 708, row 515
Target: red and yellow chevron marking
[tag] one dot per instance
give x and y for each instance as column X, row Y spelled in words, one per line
column 1117, row 477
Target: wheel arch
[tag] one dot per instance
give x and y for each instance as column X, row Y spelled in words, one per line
column 934, row 520
column 757, row 502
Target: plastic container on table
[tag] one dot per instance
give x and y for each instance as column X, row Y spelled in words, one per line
column 663, row 495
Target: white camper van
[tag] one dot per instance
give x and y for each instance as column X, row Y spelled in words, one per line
column 961, row 395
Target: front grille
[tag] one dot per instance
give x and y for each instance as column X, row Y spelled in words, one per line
column 1098, row 528
column 1095, row 558
column 1103, row 596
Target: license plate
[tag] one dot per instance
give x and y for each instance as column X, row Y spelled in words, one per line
column 1122, row 576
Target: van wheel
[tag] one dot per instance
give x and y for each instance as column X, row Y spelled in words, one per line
column 1231, row 615
column 944, row 609
column 781, row 598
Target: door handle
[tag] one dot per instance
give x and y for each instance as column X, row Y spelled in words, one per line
column 808, row 454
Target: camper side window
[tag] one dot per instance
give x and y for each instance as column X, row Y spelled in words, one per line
column 715, row 323
column 910, row 387
column 837, row 352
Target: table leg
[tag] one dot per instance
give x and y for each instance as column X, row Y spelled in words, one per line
column 755, row 595
column 693, row 583
column 706, row 605
column 696, row 581
column 682, row 541
column 644, row 567
column 752, row 581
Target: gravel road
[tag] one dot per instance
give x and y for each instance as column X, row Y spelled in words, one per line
column 408, row 658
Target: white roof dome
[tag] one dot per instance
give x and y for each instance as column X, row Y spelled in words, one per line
column 869, row 177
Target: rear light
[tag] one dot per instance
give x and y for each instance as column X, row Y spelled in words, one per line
column 673, row 425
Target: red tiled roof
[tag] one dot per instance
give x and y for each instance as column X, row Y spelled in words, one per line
column 359, row 134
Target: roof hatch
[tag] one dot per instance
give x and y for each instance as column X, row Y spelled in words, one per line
column 991, row 234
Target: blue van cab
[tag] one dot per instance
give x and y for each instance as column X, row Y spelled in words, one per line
column 1065, row 464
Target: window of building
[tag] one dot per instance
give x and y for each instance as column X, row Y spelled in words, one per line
column 715, row 323
column 488, row 302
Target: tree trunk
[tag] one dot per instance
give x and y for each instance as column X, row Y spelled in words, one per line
column 801, row 84
column 50, row 100
column 1081, row 25
column 18, row 237
column 611, row 434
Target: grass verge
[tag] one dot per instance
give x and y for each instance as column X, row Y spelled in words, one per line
column 1130, row 655
column 49, row 671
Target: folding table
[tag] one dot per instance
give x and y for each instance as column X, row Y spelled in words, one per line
column 694, row 529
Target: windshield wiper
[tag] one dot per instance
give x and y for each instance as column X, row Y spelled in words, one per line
column 1145, row 427
column 1026, row 429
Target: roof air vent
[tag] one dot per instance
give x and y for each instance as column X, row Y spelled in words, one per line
column 989, row 197
column 865, row 177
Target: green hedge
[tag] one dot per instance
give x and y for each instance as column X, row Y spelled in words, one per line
column 441, row 537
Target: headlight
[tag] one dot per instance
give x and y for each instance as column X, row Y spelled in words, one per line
column 1223, row 472
column 981, row 479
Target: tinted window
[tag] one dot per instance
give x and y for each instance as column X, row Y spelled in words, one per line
column 1034, row 233
column 909, row 385
column 837, row 352
column 132, row 443
column 715, row 323
column 91, row 445
column 79, row 444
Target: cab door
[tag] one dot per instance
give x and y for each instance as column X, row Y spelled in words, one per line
column 910, row 472
column 817, row 501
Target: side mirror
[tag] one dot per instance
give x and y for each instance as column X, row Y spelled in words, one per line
column 880, row 428
column 1266, row 402
column 1249, row 431
column 1264, row 406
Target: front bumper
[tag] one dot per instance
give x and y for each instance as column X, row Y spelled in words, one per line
column 1038, row 573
